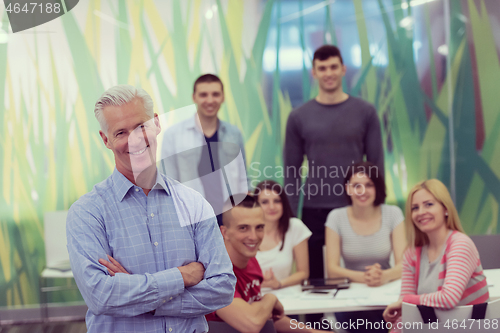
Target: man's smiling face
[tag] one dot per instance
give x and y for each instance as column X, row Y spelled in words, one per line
column 131, row 136
column 243, row 234
column 208, row 97
column 329, row 74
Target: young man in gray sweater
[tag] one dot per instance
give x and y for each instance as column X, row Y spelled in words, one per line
column 334, row 131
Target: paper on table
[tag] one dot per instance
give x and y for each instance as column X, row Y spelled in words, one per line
column 288, row 292
column 390, row 289
column 353, row 293
column 384, row 300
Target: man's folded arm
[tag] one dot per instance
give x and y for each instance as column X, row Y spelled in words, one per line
column 122, row 295
column 216, row 290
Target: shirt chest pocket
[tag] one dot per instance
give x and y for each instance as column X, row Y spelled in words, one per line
column 178, row 245
column 132, row 247
column 141, row 251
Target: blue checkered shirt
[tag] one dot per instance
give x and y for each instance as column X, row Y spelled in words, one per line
column 149, row 236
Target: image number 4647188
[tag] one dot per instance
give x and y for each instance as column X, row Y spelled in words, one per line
column 26, row 14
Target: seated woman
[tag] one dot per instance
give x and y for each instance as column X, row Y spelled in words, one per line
column 285, row 239
column 441, row 267
column 364, row 234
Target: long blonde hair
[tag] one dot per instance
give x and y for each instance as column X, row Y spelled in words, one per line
column 414, row 236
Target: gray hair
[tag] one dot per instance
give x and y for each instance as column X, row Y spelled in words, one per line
column 118, row 96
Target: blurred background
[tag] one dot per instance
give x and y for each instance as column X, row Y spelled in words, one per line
column 431, row 68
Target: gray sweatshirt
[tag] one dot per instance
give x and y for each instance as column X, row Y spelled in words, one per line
column 333, row 137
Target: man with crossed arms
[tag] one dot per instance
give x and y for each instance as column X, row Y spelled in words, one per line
column 162, row 232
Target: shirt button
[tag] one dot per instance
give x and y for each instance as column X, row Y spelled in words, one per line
column 164, row 301
column 170, row 329
column 156, row 243
column 171, row 297
column 152, row 215
column 137, row 190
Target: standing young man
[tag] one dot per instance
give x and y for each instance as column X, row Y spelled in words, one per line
column 204, row 152
column 334, row 131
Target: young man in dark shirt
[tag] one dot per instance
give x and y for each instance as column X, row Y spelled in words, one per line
column 334, row 131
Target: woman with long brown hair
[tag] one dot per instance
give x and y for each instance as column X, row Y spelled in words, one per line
column 364, row 234
column 285, row 239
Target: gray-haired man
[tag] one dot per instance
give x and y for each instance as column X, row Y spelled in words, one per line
column 161, row 232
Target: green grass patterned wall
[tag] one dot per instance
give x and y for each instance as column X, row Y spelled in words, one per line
column 50, row 151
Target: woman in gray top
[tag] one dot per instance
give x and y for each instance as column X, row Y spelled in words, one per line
column 366, row 232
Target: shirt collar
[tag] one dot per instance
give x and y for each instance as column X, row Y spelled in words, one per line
column 191, row 124
column 160, row 183
column 121, row 185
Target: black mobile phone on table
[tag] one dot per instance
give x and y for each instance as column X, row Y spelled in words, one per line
column 323, row 292
column 329, row 283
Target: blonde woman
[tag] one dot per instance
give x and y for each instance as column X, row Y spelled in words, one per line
column 441, row 267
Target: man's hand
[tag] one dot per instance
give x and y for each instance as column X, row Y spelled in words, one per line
column 113, row 266
column 278, row 311
column 192, row 273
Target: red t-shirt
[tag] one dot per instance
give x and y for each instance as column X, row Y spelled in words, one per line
column 248, row 281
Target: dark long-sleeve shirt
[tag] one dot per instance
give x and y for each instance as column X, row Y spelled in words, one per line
column 333, row 137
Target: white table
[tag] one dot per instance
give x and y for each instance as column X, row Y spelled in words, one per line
column 358, row 297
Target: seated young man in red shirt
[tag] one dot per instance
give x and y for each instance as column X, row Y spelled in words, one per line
column 243, row 230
